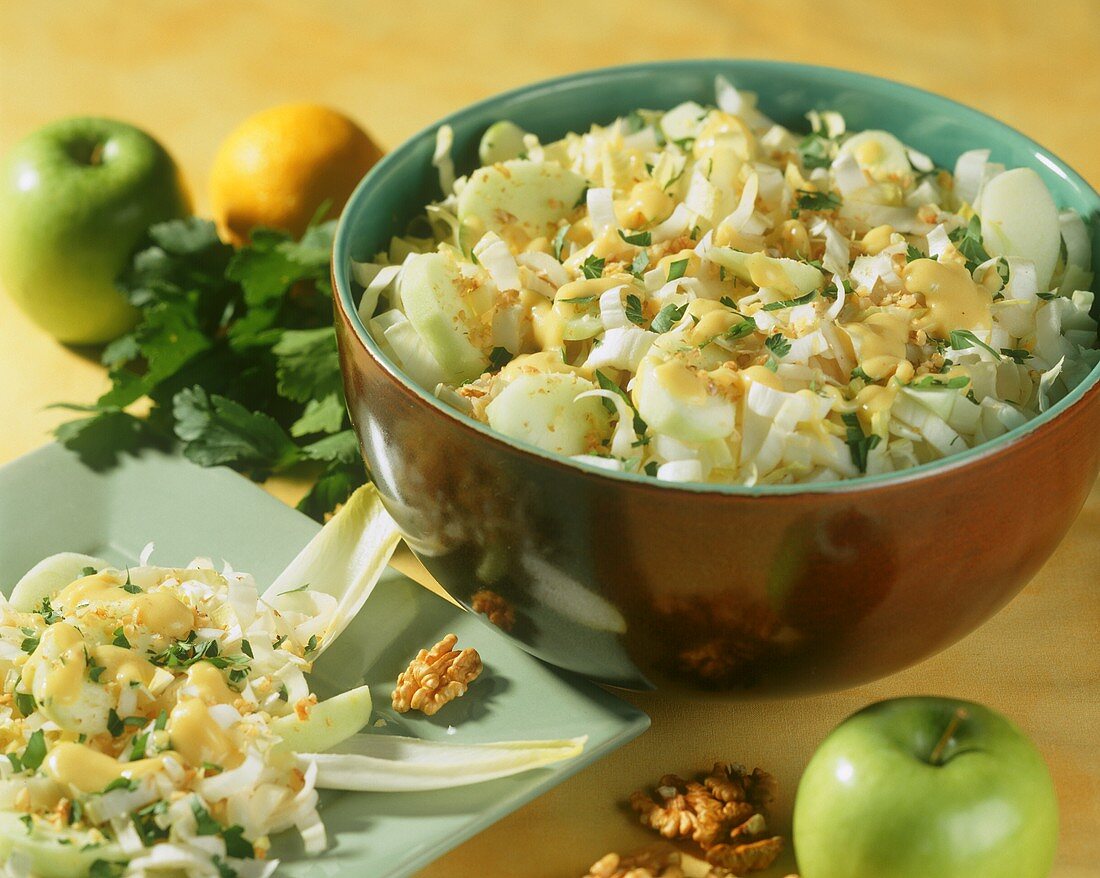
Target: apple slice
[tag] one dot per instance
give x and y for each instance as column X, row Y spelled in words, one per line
column 544, row 410
column 1019, row 219
column 517, row 194
column 501, row 141
column 431, row 292
column 673, row 399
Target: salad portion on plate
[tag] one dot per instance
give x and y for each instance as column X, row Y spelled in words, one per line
column 703, row 295
column 161, row 719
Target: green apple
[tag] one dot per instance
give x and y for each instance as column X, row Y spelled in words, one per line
column 926, row 788
column 75, row 199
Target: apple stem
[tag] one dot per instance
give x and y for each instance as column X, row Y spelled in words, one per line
column 937, row 752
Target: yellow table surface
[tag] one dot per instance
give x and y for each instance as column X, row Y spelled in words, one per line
column 190, row 71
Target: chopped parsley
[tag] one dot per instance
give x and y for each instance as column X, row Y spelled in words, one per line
column 633, row 309
column 236, row 845
column 25, row 703
column 815, row 151
column 912, row 254
column 739, row 330
column 640, row 264
column 961, row 339
column 592, row 267
column 204, row 823
column 859, row 375
column 301, row 587
column 778, row 344
column 668, row 317
column 791, row 303
column 1017, row 355
column 114, row 723
column 47, row 612
column 677, row 269
column 559, row 241
column 640, row 426
column 638, row 239
column 35, row 750
column 88, row 571
column 122, row 783
column 145, row 822
column 128, row 585
column 969, row 243
column 34, row 753
column 859, row 443
column 580, row 300
column 137, row 746
column 224, row 869
column 930, row 381
column 499, row 358
column 105, row 868
column 815, row 201
column 120, row 638
column 30, row 642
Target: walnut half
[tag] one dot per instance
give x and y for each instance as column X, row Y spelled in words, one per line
column 436, row 676
column 723, row 814
column 496, row 608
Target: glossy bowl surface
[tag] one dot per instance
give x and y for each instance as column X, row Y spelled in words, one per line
column 768, row 589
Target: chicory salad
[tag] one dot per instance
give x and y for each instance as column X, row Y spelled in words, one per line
column 160, row 721
column 704, row 295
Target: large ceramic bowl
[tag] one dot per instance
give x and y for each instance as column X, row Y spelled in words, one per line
column 764, row 589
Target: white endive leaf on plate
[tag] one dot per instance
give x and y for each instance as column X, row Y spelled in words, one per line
column 345, row 560
column 389, row 764
column 333, row 720
column 48, row 577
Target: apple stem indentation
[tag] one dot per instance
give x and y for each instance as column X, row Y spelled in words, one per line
column 87, row 152
column 937, row 752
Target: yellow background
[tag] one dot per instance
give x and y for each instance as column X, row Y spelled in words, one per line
column 190, row 71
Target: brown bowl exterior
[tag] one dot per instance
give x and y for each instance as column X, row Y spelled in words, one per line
column 635, row 583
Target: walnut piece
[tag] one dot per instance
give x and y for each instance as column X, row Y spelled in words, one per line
column 436, row 676
column 497, row 608
column 658, row 861
column 723, row 814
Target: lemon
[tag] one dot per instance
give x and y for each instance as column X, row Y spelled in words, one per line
column 281, row 165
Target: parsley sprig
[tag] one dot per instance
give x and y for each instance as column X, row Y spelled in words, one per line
column 236, row 352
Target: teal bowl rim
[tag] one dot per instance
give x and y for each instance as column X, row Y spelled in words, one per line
column 342, row 261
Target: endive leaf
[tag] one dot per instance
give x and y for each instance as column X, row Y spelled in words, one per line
column 330, row 722
column 385, row 763
column 344, row 560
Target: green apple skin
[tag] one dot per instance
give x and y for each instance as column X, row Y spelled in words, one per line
column 871, row 804
column 76, row 196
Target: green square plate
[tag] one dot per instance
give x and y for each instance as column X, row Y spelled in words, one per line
column 50, row 502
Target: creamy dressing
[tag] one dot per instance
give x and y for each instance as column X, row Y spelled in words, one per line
column 91, row 771
column 103, row 593
column 55, row 671
column 953, row 299
column 198, row 738
column 880, row 342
